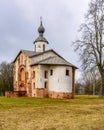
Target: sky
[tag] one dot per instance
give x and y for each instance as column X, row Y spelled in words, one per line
column 20, row 19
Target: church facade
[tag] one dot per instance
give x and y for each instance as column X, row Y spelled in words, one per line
column 42, row 73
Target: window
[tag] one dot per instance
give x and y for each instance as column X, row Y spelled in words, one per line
column 45, row 84
column 34, row 84
column 67, row 72
column 45, row 74
column 51, row 72
column 33, row 74
column 43, row 47
column 22, row 74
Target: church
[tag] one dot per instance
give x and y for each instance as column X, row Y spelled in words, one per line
column 42, row 73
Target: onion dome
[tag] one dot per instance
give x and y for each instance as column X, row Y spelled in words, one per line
column 41, row 30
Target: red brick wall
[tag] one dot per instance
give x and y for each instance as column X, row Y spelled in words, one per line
column 60, row 95
column 16, row 94
column 41, row 92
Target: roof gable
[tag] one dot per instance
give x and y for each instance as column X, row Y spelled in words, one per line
column 53, row 60
column 27, row 53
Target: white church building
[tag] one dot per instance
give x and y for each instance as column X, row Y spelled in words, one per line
column 42, row 73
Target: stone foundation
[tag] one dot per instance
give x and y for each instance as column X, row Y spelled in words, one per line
column 60, row 95
column 41, row 93
column 16, row 94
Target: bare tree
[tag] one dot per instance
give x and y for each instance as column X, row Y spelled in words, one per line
column 6, row 77
column 91, row 79
column 91, row 44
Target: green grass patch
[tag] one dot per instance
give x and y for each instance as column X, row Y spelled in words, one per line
column 82, row 113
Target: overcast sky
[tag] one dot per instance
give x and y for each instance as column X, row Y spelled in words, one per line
column 19, row 20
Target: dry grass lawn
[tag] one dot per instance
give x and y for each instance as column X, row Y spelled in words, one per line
column 81, row 113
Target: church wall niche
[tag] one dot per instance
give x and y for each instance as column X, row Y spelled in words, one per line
column 22, row 78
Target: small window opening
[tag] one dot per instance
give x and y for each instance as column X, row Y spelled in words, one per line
column 45, row 84
column 46, row 74
column 67, row 72
column 43, row 47
column 34, row 84
column 51, row 72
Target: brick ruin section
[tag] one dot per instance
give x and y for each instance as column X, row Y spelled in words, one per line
column 60, row 95
column 16, row 94
column 42, row 93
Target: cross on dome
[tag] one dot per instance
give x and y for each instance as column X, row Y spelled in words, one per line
column 41, row 29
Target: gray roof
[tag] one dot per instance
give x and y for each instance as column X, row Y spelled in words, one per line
column 28, row 53
column 41, row 39
column 56, row 60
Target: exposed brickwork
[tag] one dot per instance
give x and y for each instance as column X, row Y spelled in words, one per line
column 41, row 93
column 16, row 94
column 60, row 95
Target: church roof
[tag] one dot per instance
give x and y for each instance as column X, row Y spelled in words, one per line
column 41, row 39
column 28, row 53
column 55, row 60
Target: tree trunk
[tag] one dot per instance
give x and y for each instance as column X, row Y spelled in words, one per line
column 102, row 87
column 94, row 88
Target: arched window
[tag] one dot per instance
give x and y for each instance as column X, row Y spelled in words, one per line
column 22, row 74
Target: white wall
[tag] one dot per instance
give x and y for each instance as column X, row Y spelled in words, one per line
column 58, row 82
column 41, row 78
column 39, row 46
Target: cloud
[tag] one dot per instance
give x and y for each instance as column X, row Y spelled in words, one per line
column 20, row 19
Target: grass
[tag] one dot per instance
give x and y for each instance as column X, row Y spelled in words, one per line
column 81, row 113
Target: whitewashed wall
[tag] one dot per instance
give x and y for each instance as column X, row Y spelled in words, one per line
column 39, row 46
column 58, row 82
column 41, row 78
